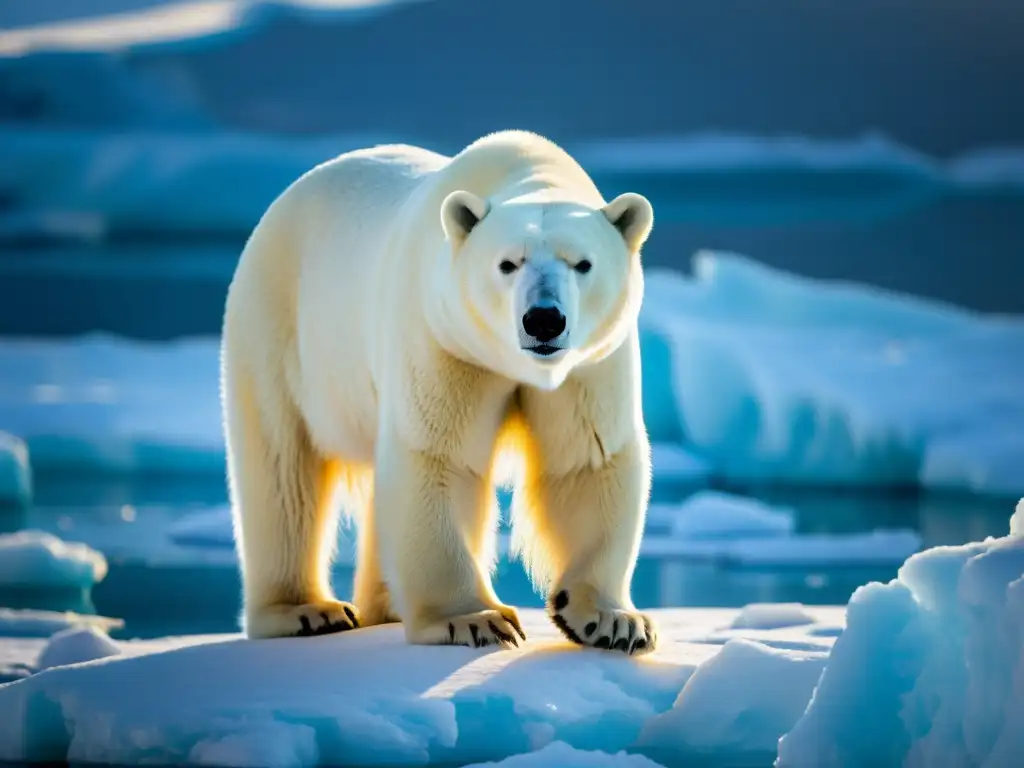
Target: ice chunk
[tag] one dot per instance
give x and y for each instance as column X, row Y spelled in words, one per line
column 827, row 551
column 74, row 645
column 738, row 703
column 560, row 754
column 39, row 560
column 791, row 379
column 772, row 616
column 930, row 668
column 15, row 473
column 207, row 528
column 674, row 464
column 103, row 403
column 380, row 700
column 717, row 515
column 31, row 623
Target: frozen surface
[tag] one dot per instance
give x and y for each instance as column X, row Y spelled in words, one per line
column 790, row 379
column 818, row 550
column 74, row 645
column 772, row 616
column 29, row 623
column 676, row 465
column 930, row 668
column 927, row 670
column 384, row 701
column 561, row 754
column 744, row 532
column 15, row 472
column 40, row 560
column 112, row 404
column 716, row 515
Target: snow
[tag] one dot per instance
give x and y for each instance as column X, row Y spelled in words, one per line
column 771, row 616
column 818, row 550
column 39, row 560
column 561, row 754
column 74, row 645
column 928, row 671
column 783, row 378
column 930, row 668
column 35, row 624
column 382, row 701
column 714, row 514
column 110, row 404
column 745, row 721
column 15, row 472
column 744, row 532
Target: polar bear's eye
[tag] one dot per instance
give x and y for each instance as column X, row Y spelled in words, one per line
column 507, row 267
column 583, row 267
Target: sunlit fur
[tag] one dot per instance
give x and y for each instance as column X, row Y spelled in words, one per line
column 371, row 358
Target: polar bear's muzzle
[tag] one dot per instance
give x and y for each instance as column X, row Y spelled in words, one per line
column 543, row 322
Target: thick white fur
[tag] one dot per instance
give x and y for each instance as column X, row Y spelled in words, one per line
column 371, row 356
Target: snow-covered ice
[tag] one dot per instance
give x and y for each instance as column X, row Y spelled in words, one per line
column 739, row 531
column 111, row 404
column 15, row 471
column 714, row 514
column 31, row 623
column 76, row 644
column 928, row 671
column 381, row 700
column 39, row 560
column 783, row 378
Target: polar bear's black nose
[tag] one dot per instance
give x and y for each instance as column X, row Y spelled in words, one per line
column 544, row 323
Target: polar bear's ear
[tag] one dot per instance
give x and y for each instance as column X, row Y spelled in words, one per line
column 633, row 216
column 460, row 212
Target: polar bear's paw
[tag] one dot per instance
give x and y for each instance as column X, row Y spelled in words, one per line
column 321, row 618
column 477, row 630
column 586, row 620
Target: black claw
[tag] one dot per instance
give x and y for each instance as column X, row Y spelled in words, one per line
column 511, row 619
column 621, row 644
column 560, row 622
column 476, row 634
column 503, row 636
column 307, row 629
column 632, row 632
column 615, row 628
column 639, row 645
column 590, row 629
column 482, row 641
column 561, row 600
column 351, row 616
column 451, row 633
column 603, row 642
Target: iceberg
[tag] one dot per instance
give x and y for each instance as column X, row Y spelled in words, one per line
column 36, row 560
column 786, row 379
column 15, row 471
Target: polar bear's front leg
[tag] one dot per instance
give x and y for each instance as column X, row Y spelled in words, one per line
column 588, row 524
column 432, row 527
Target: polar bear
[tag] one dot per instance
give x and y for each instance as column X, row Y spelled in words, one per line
column 404, row 331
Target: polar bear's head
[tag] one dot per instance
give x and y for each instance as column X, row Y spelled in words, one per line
column 537, row 287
